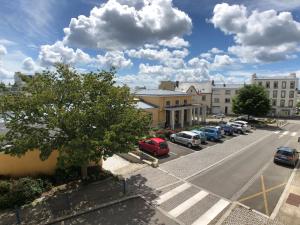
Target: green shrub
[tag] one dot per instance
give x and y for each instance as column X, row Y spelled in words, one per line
column 21, row 191
column 67, row 175
column 4, row 187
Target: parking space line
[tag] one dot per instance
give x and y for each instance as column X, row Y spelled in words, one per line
column 172, row 153
column 264, row 194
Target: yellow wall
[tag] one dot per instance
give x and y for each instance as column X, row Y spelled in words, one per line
column 159, row 117
column 29, row 164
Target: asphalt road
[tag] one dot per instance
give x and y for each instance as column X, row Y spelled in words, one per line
column 247, row 174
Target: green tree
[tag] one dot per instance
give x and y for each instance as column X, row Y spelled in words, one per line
column 251, row 100
column 83, row 116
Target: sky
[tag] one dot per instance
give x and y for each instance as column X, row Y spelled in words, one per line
column 152, row 40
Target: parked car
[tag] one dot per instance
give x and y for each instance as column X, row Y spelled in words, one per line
column 222, row 124
column 286, row 155
column 246, row 125
column 155, row 146
column 201, row 135
column 188, row 138
column 228, row 129
column 238, row 128
column 212, row 133
column 218, row 116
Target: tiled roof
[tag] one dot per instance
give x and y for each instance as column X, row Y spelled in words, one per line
column 158, row 92
column 201, row 87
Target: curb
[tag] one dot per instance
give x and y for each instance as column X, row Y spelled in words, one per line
column 82, row 212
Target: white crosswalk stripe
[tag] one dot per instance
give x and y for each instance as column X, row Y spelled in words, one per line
column 294, row 134
column 283, row 134
column 210, row 214
column 191, row 206
column 172, row 193
column 276, row 132
column 188, row 204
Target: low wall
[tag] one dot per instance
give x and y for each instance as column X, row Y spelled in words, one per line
column 28, row 164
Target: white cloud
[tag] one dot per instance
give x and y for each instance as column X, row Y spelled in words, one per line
column 260, row 36
column 28, row 64
column 3, row 50
column 222, row 60
column 115, row 59
column 115, row 25
column 175, row 42
column 215, row 51
column 58, row 52
column 170, row 58
column 6, row 42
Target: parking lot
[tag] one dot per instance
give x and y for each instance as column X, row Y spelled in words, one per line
column 178, row 150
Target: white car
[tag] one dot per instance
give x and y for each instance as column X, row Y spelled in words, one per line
column 238, row 128
column 248, row 127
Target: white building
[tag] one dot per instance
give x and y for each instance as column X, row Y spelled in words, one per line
column 222, row 95
column 282, row 92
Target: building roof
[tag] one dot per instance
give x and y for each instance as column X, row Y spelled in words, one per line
column 158, row 92
column 276, row 78
column 228, row 86
column 144, row 105
column 201, row 87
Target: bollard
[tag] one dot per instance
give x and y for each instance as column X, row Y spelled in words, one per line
column 17, row 210
column 124, row 186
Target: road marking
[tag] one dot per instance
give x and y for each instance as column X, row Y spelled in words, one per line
column 276, row 132
column 172, row 193
column 260, row 193
column 188, row 203
column 294, row 134
column 224, row 159
column 210, row 214
column 264, row 194
column 172, row 153
column 284, row 133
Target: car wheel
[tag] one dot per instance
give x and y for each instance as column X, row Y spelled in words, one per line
column 155, row 153
column 173, row 140
column 239, row 132
column 140, row 147
column 189, row 145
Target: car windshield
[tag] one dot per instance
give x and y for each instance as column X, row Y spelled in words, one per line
column 285, row 153
column 196, row 137
column 163, row 145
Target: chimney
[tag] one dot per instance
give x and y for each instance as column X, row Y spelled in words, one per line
column 224, row 85
column 213, row 83
column 177, row 84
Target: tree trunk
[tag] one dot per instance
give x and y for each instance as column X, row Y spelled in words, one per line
column 84, row 172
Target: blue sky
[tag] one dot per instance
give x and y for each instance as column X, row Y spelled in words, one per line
column 152, row 40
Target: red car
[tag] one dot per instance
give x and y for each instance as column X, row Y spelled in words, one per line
column 156, row 146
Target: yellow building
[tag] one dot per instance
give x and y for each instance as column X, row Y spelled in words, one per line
column 169, row 108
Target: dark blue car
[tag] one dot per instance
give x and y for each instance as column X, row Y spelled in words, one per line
column 228, row 130
column 286, row 155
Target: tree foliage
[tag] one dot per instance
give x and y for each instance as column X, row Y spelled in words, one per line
column 83, row 116
column 252, row 100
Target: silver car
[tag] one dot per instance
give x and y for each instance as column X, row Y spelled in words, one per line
column 243, row 123
column 188, row 138
column 238, row 128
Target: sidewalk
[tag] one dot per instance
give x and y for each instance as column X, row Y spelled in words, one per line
column 289, row 212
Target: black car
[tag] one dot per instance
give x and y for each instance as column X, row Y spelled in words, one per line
column 286, row 155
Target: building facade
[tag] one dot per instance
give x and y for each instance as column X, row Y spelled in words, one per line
column 174, row 108
column 200, row 91
column 222, row 95
column 282, row 92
